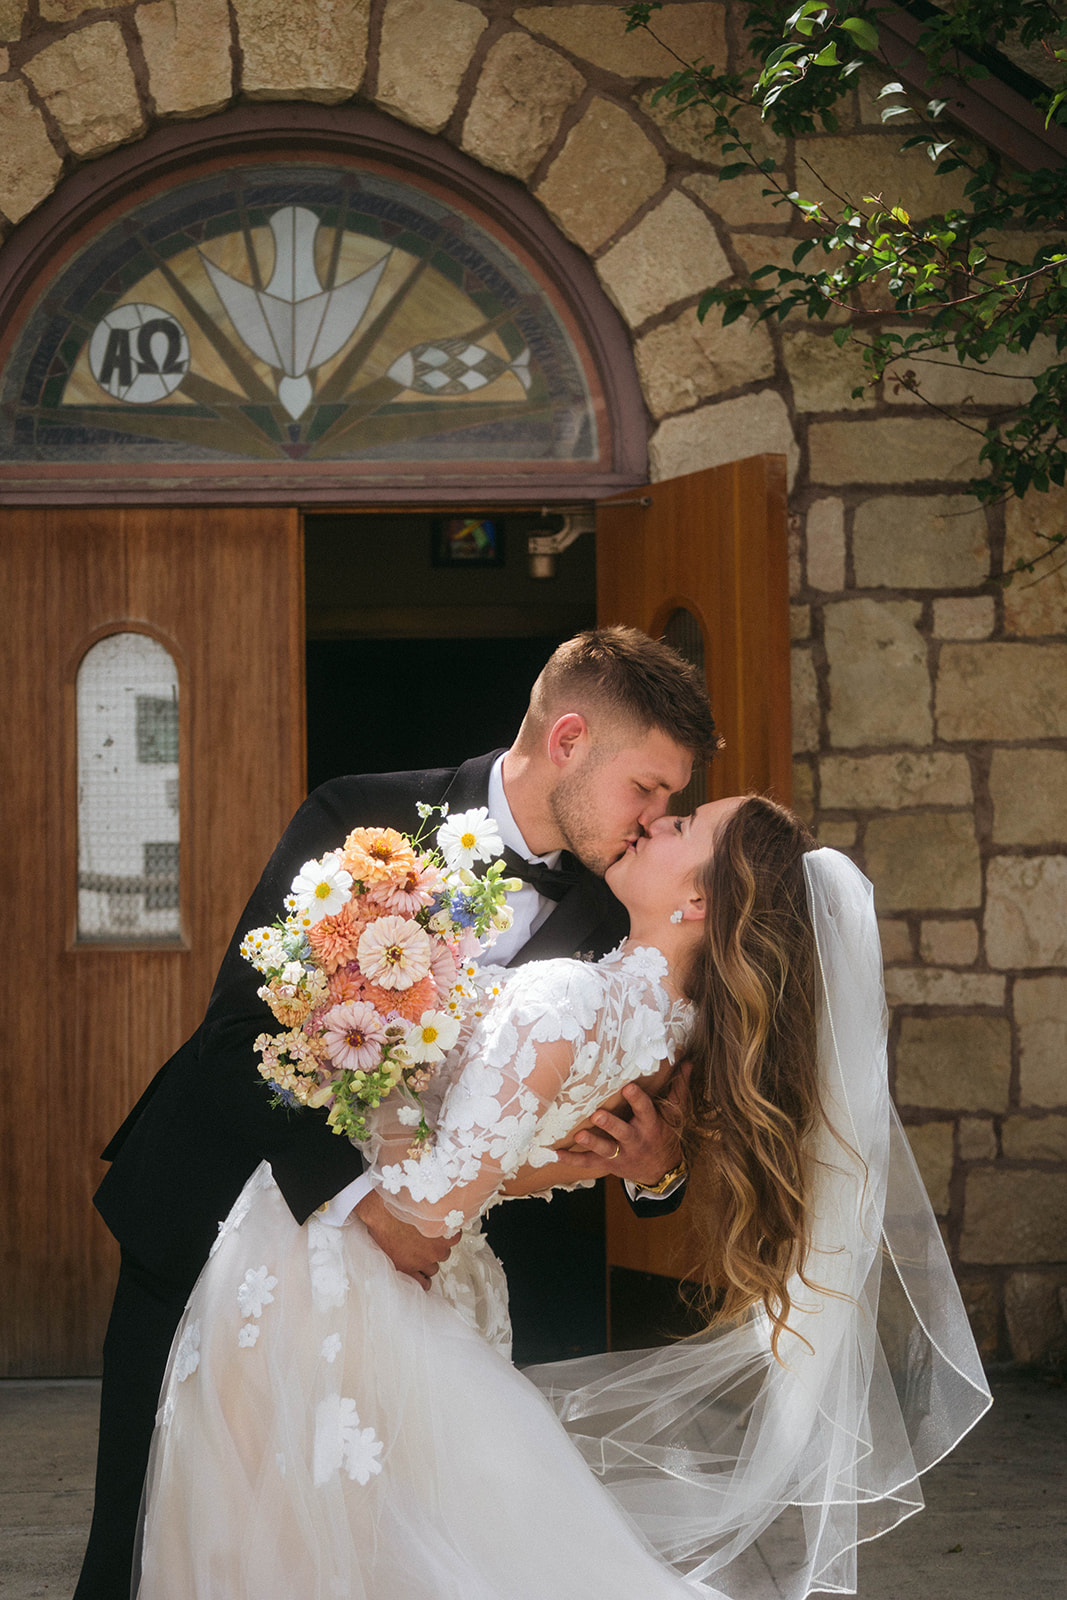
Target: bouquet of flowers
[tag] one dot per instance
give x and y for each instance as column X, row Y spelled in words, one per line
column 370, row 970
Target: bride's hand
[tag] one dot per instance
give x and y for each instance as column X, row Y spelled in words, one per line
column 409, row 1250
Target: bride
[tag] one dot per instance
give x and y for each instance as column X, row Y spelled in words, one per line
column 328, row 1431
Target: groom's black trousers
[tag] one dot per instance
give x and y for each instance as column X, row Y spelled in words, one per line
column 143, row 1319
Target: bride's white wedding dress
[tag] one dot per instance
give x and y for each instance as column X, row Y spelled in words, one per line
column 328, row 1431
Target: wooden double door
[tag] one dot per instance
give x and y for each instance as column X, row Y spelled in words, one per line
column 86, row 1022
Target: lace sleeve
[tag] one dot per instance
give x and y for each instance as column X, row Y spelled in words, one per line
column 561, row 1038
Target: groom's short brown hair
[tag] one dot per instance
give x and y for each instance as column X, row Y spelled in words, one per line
column 619, row 675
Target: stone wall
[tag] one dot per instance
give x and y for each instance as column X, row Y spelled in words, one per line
column 930, row 703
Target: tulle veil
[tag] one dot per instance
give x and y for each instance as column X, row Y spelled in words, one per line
column 759, row 1477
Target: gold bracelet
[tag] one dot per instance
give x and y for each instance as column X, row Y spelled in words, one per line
column 680, row 1171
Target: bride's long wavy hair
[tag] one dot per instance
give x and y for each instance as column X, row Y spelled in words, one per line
column 753, row 1089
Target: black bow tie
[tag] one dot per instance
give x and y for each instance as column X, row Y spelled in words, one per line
column 552, row 882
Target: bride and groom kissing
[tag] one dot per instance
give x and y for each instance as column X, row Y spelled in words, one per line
column 267, row 1479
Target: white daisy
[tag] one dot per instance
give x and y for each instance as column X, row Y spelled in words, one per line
column 321, row 888
column 468, row 837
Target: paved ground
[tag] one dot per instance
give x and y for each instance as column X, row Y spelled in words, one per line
column 995, row 1526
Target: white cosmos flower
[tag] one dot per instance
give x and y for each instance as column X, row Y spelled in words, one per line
column 468, row 837
column 434, row 1034
column 321, row 888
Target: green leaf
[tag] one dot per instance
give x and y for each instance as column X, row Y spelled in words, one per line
column 804, row 248
column 731, row 312
column 889, row 88
column 864, row 33
column 784, row 52
column 828, row 56
column 840, row 335
column 734, row 170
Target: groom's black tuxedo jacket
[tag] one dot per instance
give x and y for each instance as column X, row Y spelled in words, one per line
column 205, row 1121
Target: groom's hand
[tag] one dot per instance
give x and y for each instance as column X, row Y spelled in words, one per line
column 647, row 1144
column 409, row 1250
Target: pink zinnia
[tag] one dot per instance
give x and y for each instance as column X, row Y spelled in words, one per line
column 395, row 952
column 412, row 892
column 354, row 1036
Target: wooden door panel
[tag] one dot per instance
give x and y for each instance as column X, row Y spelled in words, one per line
column 715, row 543
column 222, row 589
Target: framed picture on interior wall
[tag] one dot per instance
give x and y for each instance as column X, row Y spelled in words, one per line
column 467, row 541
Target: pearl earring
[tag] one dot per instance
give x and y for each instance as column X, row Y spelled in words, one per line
column 676, row 916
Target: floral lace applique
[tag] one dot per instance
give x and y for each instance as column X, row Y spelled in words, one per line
column 187, row 1355
column 326, row 1263
column 644, row 962
column 340, row 1443
column 248, row 1335
column 254, row 1291
column 331, row 1347
column 241, row 1206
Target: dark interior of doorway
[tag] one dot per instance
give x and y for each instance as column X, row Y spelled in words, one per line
column 387, row 705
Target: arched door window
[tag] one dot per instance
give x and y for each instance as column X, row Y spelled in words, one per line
column 128, row 798
column 320, row 326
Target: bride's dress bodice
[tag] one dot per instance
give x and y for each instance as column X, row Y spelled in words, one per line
column 555, row 1040
column 558, row 1039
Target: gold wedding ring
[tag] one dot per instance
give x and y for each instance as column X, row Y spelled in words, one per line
column 618, row 1147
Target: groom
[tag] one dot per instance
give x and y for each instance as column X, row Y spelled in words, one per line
column 615, row 723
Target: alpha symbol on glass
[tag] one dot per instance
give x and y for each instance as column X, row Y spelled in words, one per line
column 139, row 354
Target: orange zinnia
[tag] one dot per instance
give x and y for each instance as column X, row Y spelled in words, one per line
column 334, row 940
column 378, row 855
column 348, row 984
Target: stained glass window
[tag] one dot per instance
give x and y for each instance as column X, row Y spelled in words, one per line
column 277, row 321
column 128, row 812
